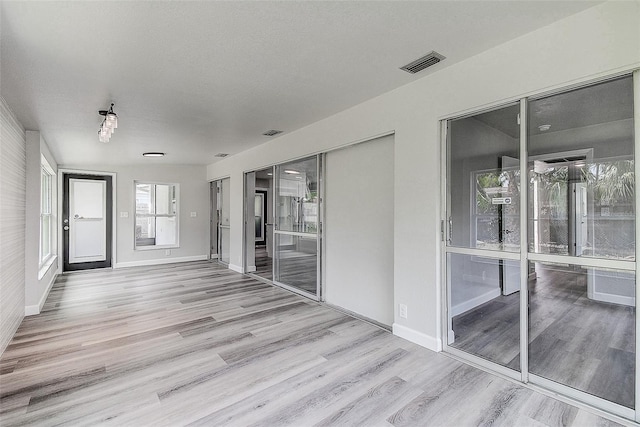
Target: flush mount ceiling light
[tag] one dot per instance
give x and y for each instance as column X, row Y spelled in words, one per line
column 109, row 124
column 153, row 154
column 544, row 128
column 292, row 172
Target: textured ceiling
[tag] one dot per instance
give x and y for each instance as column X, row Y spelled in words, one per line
column 198, row 78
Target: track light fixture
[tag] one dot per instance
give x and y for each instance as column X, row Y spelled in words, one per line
column 109, row 124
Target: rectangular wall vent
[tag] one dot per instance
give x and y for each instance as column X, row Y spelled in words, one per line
column 431, row 58
column 221, row 155
column 272, row 132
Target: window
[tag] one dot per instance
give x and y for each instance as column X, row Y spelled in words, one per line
column 46, row 212
column 156, row 215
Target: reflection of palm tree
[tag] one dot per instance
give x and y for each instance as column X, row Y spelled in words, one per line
column 612, row 182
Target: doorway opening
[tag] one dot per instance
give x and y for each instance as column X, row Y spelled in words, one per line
column 259, row 189
column 540, row 242
column 282, row 225
column 87, row 221
column 220, row 224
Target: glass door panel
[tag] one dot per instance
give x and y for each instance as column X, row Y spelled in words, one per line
column 578, row 336
column 582, row 205
column 483, row 210
column 581, row 172
column 484, row 180
column 224, row 224
column 297, row 220
column 485, row 316
column 582, row 329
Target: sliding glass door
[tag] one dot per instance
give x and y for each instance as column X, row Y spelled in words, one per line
column 483, row 259
column 296, row 235
column 540, row 242
column 224, row 224
column 582, row 240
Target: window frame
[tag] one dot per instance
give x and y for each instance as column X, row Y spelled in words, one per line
column 47, row 194
column 154, row 184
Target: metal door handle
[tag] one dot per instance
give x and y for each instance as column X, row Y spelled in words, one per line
column 65, row 228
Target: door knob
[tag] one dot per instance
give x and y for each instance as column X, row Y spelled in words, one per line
column 65, row 228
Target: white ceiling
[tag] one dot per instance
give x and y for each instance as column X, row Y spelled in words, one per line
column 198, row 78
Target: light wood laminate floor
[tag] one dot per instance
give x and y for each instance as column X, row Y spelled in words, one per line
column 197, row 344
column 573, row 340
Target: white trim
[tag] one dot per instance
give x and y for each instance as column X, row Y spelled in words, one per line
column 417, row 337
column 235, row 268
column 296, row 233
column 636, row 127
column 160, row 261
column 545, row 91
column 219, row 179
column 524, row 240
column 485, row 253
column 176, row 216
column 325, row 151
column 44, row 269
column 474, row 302
column 613, row 298
column 251, row 269
column 32, row 310
column 584, row 261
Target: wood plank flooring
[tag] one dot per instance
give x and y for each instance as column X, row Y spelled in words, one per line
column 197, row 344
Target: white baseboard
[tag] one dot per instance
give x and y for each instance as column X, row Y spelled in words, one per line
column 613, row 298
column 416, row 337
column 474, row 302
column 251, row 269
column 32, row 310
column 160, row 261
column 235, row 268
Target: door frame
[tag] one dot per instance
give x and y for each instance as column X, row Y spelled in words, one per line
column 559, row 391
column 110, row 242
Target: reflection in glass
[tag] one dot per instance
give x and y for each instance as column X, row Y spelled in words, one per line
column 296, row 262
column 484, row 310
column 581, row 172
column 582, row 329
column 484, row 167
column 297, row 208
column 224, row 215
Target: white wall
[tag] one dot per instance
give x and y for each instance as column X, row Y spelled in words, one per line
column 554, row 56
column 194, row 197
column 38, row 284
column 358, row 229
column 12, row 223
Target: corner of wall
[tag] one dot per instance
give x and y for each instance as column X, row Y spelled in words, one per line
column 416, row 337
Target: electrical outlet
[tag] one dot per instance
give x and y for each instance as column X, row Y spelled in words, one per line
column 403, row 311
column 124, row 214
column 194, row 214
column 167, row 252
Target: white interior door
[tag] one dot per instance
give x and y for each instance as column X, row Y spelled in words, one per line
column 580, row 213
column 510, row 269
column 87, row 220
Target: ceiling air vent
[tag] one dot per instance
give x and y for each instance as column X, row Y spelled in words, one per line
column 431, row 58
column 221, row 155
column 272, row 132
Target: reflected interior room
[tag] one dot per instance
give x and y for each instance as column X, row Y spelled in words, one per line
column 581, row 204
